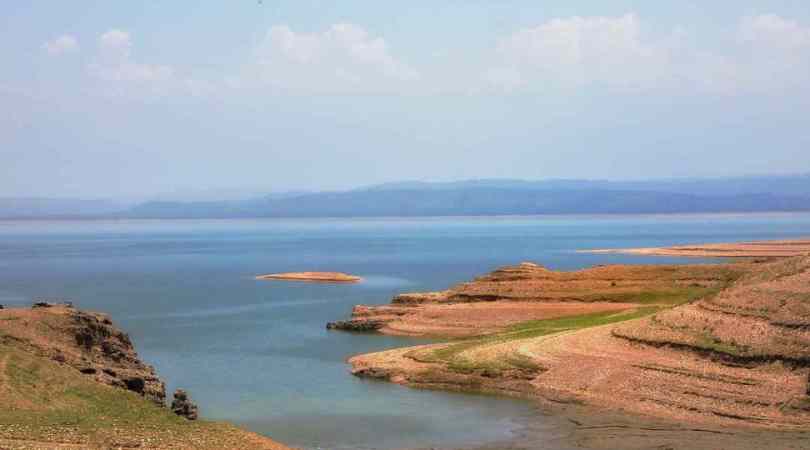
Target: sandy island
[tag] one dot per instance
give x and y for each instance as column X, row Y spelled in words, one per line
column 316, row 277
column 760, row 249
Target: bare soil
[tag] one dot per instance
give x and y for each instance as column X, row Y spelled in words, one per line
column 759, row 249
column 734, row 353
column 318, row 277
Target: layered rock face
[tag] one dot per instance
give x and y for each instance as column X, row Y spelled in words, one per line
column 764, row 317
column 529, row 291
column 735, row 354
column 86, row 341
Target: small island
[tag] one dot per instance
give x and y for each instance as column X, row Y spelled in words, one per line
column 314, row 277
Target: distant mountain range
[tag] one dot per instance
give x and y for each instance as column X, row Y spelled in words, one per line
column 472, row 197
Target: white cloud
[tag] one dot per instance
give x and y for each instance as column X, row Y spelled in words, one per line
column 766, row 53
column 774, row 53
column 580, row 50
column 343, row 58
column 774, row 33
column 115, row 62
column 60, row 45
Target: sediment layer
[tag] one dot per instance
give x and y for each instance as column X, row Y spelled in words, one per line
column 736, row 351
column 759, row 249
column 514, row 294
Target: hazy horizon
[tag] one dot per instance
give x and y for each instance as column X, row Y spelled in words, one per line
column 195, row 194
column 136, row 101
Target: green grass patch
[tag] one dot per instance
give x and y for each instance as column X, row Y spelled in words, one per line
column 451, row 355
column 41, row 396
column 669, row 297
column 713, row 343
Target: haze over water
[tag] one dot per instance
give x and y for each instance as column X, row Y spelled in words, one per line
column 256, row 352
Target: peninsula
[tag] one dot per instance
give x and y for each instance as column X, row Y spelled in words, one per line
column 718, row 344
column 315, row 277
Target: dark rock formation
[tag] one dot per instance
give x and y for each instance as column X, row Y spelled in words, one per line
column 183, row 406
column 48, row 304
column 111, row 357
column 365, row 326
column 87, row 341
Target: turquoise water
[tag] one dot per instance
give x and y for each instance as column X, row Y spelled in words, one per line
column 256, row 353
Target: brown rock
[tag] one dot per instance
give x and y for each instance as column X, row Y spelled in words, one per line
column 808, row 385
column 88, row 342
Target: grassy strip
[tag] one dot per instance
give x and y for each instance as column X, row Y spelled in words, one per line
column 649, row 302
column 451, row 354
column 43, row 401
column 669, row 297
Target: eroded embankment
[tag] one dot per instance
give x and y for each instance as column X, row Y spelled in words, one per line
column 72, row 379
column 735, row 352
column 516, row 294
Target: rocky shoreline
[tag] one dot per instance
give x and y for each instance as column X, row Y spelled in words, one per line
column 72, row 379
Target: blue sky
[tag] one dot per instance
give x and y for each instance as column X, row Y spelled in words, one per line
column 136, row 99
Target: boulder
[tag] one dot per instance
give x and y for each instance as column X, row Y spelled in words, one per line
column 183, row 406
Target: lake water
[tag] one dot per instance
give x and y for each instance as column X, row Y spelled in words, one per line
column 256, row 352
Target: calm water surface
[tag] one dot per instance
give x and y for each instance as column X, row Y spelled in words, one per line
column 256, row 353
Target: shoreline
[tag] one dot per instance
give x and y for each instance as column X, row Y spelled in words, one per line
column 573, row 427
column 781, row 248
column 650, row 362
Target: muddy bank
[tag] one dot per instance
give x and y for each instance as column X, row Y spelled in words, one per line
column 577, row 428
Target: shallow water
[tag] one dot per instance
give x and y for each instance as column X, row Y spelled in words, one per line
column 256, row 352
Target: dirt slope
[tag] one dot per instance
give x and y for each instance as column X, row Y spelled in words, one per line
column 739, row 355
column 71, row 379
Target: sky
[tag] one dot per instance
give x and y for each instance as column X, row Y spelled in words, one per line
column 115, row 99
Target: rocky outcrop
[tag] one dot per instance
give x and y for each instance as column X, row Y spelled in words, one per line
column 362, row 326
column 110, row 352
column 183, row 406
column 51, row 304
column 88, row 342
column 418, row 298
